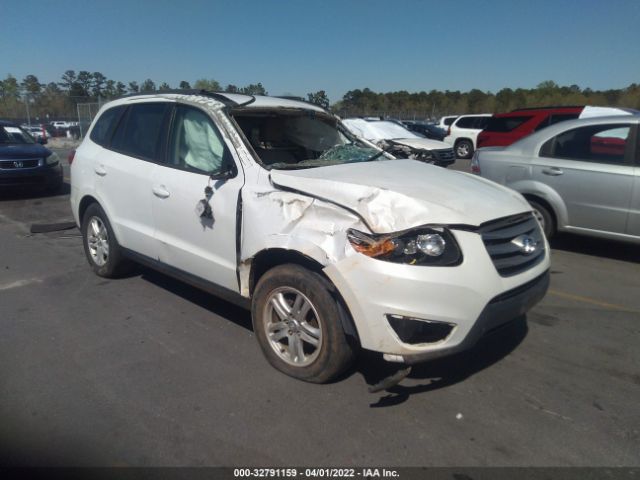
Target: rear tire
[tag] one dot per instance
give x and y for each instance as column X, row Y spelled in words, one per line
column 464, row 149
column 100, row 244
column 545, row 218
column 297, row 323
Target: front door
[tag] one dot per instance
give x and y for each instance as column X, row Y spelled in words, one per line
column 188, row 238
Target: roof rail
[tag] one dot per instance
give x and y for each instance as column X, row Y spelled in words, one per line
column 548, row 108
column 220, row 96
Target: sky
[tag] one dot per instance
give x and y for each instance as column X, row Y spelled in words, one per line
column 296, row 47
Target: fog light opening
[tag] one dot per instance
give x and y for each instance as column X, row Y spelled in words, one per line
column 416, row 330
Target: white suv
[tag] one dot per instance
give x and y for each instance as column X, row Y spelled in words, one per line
column 463, row 133
column 272, row 204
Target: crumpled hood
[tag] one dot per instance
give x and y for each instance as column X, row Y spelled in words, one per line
column 422, row 143
column 393, row 195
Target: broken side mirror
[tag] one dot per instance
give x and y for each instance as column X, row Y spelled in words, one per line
column 223, row 174
column 227, row 169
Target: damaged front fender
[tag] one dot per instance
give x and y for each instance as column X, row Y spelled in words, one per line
column 276, row 219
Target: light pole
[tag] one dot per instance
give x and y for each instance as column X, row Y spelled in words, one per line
column 26, row 102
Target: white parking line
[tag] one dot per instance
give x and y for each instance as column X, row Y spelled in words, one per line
column 19, row 283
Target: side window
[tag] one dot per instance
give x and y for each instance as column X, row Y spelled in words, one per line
column 196, row 144
column 101, row 131
column 467, row 122
column 597, row 143
column 481, row 122
column 139, row 134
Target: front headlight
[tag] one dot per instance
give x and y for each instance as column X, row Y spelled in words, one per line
column 433, row 246
column 52, row 159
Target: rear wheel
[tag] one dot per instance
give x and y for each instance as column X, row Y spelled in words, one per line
column 544, row 216
column 100, row 245
column 297, row 323
column 464, row 149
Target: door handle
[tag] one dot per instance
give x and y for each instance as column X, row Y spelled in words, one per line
column 160, row 191
column 99, row 169
column 553, row 171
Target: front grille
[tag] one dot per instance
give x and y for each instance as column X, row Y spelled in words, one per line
column 445, row 155
column 18, row 164
column 503, row 239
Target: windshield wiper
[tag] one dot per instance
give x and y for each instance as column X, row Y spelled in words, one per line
column 373, row 157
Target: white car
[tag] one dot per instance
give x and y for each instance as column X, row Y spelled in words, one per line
column 463, row 133
column 272, row 204
column 401, row 142
column 445, row 122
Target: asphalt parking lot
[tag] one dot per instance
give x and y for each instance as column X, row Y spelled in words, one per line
column 146, row 371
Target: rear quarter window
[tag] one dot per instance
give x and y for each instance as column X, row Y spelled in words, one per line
column 101, row 132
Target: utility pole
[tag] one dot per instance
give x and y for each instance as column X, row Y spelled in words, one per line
column 26, row 102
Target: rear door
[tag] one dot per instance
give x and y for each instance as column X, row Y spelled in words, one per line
column 124, row 171
column 202, row 245
column 592, row 169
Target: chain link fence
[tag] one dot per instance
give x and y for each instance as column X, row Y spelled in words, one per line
column 86, row 114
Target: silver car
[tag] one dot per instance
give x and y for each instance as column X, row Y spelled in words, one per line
column 580, row 176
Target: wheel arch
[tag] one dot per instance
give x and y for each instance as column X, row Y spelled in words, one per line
column 547, row 197
column 84, row 204
column 270, row 258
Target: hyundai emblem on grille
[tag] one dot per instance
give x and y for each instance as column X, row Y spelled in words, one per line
column 527, row 244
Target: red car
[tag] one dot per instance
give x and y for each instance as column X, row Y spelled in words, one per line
column 505, row 128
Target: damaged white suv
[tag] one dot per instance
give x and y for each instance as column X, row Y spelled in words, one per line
column 333, row 244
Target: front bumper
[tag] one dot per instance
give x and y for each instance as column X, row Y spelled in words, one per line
column 472, row 297
column 45, row 176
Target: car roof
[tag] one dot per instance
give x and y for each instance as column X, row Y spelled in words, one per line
column 476, row 115
column 532, row 142
column 232, row 100
column 538, row 111
column 7, row 123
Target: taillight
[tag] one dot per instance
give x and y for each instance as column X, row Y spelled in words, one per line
column 72, row 155
column 475, row 163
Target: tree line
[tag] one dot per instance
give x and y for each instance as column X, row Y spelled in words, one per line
column 436, row 103
column 58, row 99
column 55, row 100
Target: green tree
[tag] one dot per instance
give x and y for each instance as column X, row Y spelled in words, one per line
column 148, row 86
column 85, row 81
column 98, row 84
column 319, row 98
column 133, row 87
column 184, row 85
column 231, row 89
column 210, row 85
column 31, row 86
column 164, row 86
column 254, row 89
column 109, row 90
column 68, row 80
column 121, row 89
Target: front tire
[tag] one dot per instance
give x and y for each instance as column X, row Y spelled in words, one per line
column 464, row 149
column 297, row 323
column 100, row 245
column 545, row 218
